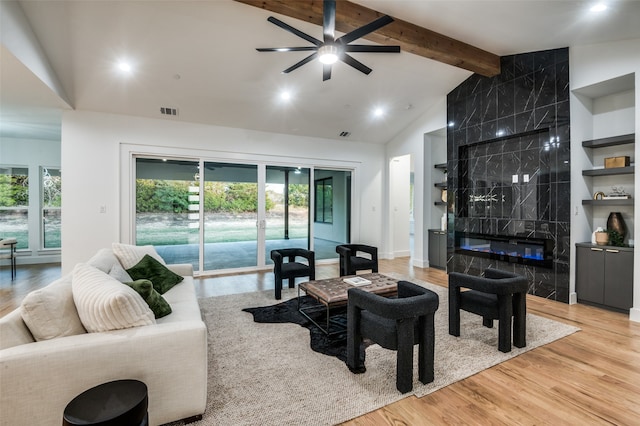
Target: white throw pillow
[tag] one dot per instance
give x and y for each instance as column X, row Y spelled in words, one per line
column 104, row 303
column 118, row 272
column 129, row 255
column 50, row 311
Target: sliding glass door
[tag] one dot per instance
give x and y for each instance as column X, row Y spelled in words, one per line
column 230, row 216
column 222, row 216
column 166, row 193
column 286, row 208
column 332, row 211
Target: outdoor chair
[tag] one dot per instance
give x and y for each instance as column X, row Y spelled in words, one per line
column 351, row 259
column 397, row 324
column 291, row 269
column 8, row 251
column 498, row 295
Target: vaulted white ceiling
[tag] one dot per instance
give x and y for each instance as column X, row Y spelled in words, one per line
column 200, row 57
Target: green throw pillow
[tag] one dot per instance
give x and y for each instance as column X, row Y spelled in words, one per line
column 156, row 302
column 162, row 278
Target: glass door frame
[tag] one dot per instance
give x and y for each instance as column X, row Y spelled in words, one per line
column 129, row 154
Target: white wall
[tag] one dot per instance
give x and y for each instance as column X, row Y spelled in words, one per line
column 33, row 154
column 411, row 142
column 96, row 149
column 590, row 65
column 399, row 204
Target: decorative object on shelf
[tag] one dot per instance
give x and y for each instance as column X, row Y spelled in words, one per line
column 602, row 237
column 598, row 195
column 443, row 196
column 443, row 222
column 613, row 162
column 617, row 193
column 615, row 222
column 615, row 239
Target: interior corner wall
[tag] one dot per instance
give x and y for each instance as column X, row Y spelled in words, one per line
column 97, row 211
column 411, row 142
column 592, row 64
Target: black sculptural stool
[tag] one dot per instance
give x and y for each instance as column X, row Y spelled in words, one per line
column 396, row 324
column 291, row 268
column 351, row 260
column 498, row 295
column 117, row 403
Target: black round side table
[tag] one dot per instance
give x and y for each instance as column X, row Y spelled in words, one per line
column 117, row 403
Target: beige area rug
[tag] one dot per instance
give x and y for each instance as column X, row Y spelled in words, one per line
column 266, row 374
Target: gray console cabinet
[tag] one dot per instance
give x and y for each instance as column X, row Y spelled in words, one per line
column 437, row 249
column 604, row 276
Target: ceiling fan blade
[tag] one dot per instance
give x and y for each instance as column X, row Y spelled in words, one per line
column 366, row 29
column 295, row 31
column 287, row 49
column 371, row 48
column 329, row 21
column 326, row 72
column 354, row 63
column 301, row 63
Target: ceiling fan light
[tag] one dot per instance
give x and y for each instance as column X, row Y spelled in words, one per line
column 328, row 54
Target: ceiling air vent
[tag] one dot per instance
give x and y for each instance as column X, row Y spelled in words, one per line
column 169, row 111
column 345, row 134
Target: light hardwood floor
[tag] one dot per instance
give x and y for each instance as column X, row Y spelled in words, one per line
column 591, row 377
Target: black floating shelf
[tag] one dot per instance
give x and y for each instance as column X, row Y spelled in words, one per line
column 612, row 141
column 611, row 171
column 440, row 166
column 440, row 203
column 623, row 202
column 442, row 185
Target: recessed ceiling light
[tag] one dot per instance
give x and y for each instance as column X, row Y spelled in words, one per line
column 124, row 67
column 285, row 95
column 599, row 7
column 378, row 112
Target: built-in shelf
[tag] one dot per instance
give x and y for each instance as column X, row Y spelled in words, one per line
column 609, row 172
column 440, row 166
column 625, row 202
column 441, row 185
column 440, row 203
column 610, row 141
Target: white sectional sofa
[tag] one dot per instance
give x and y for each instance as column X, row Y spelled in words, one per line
column 40, row 375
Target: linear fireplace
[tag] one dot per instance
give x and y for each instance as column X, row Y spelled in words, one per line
column 513, row 249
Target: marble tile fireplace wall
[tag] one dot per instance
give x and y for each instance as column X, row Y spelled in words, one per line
column 508, row 163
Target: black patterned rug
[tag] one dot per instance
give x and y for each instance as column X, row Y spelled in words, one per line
column 334, row 344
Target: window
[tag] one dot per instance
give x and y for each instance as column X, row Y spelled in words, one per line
column 324, row 200
column 14, row 204
column 51, row 181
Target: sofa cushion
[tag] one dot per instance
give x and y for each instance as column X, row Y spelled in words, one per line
column 103, row 260
column 104, row 303
column 50, row 311
column 156, row 302
column 150, row 269
column 130, row 255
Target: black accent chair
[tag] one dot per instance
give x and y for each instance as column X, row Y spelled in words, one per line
column 350, row 262
column 396, row 324
column 498, row 295
column 292, row 269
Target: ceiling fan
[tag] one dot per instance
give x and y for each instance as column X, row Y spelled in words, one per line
column 330, row 49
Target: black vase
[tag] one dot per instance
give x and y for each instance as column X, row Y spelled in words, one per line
column 615, row 222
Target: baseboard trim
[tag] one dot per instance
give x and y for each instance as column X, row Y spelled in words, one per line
column 634, row 314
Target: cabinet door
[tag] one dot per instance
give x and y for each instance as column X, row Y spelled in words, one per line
column 434, row 254
column 618, row 289
column 590, row 274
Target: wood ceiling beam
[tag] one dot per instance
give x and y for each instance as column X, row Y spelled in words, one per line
column 411, row 38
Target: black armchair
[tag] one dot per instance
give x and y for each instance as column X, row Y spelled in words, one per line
column 292, row 269
column 350, row 262
column 396, row 324
column 498, row 295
